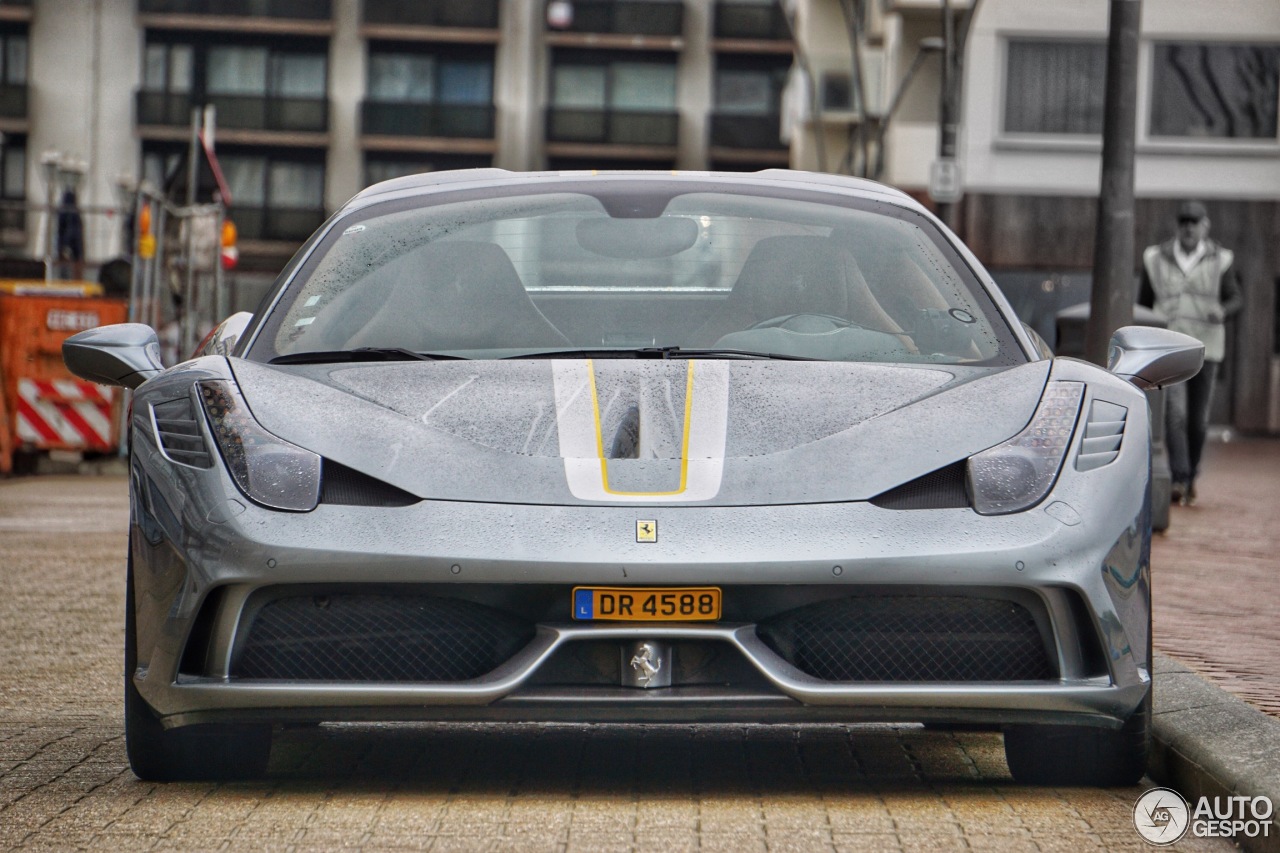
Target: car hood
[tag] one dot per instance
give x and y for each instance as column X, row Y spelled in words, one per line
column 642, row 431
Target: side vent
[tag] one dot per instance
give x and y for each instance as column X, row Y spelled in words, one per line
column 348, row 487
column 1103, row 433
column 941, row 489
column 178, row 433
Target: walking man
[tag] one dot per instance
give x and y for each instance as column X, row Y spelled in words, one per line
column 1191, row 282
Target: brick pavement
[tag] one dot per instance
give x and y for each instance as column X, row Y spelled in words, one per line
column 1216, row 573
column 64, row 783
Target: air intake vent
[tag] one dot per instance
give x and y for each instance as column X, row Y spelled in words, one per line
column 941, row 489
column 355, row 637
column 896, row 638
column 179, row 433
column 348, row 487
column 1103, row 433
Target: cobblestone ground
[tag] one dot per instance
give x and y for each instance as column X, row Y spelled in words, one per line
column 65, row 784
column 1215, row 573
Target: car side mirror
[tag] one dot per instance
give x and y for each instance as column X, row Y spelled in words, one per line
column 1151, row 357
column 125, row 354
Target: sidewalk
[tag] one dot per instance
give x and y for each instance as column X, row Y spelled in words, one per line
column 1215, row 574
column 1217, row 628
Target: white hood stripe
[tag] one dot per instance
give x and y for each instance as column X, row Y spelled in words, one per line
column 582, row 445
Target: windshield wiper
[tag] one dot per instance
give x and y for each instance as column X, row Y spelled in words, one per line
column 661, row 352
column 362, row 354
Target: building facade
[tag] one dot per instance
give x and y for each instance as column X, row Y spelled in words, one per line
column 1207, row 103
column 316, row 99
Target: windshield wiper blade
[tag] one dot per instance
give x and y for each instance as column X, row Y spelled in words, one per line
column 660, row 352
column 362, row 354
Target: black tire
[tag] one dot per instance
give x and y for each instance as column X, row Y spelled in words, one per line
column 1081, row 755
column 205, row 752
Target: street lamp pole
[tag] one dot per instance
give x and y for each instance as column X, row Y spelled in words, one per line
column 946, row 103
column 1111, row 303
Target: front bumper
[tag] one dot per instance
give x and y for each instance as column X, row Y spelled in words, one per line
column 1086, row 568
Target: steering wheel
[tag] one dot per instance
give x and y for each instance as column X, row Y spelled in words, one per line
column 782, row 321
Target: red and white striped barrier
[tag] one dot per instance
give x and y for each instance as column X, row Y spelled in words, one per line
column 64, row 414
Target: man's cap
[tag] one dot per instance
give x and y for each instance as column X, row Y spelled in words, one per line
column 1192, row 210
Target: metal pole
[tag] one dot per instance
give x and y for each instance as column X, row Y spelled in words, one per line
column 946, row 103
column 1111, row 305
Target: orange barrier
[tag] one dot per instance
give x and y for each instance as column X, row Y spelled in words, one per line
column 42, row 406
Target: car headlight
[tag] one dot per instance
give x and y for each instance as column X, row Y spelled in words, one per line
column 269, row 470
column 1018, row 473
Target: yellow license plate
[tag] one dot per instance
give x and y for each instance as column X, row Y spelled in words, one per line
column 646, row 603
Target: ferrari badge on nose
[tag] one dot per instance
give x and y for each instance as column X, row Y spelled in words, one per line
column 646, row 530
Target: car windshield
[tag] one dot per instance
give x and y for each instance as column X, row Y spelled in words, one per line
column 632, row 269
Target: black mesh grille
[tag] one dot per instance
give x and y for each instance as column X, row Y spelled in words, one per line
column 342, row 485
column 378, row 638
column 941, row 489
column 911, row 638
column 179, row 432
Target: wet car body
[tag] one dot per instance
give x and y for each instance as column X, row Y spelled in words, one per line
column 473, row 516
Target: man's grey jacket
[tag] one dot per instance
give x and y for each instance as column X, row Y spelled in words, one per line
column 1195, row 302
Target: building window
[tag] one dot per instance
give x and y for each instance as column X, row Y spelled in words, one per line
column 254, row 86
column 1219, row 91
column 748, row 103
column 445, row 93
column 256, row 71
column 274, row 197
column 630, row 102
column 426, row 79
column 638, row 86
column 13, row 167
column 1054, row 87
column 13, row 56
column 13, row 74
column 167, row 68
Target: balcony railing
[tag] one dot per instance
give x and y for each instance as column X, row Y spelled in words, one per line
column 307, row 10
column 614, row 127
column 751, row 21
column 238, row 112
column 746, row 131
column 627, row 17
column 13, row 101
column 480, row 14
column 274, row 223
column 452, row 120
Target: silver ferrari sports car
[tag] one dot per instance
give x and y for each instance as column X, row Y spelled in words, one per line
column 637, row 447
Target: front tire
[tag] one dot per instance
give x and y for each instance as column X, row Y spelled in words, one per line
column 1081, row 755
column 204, row 752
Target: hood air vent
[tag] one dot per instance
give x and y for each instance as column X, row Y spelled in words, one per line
column 348, row 487
column 1103, row 433
column 179, row 433
column 940, row 489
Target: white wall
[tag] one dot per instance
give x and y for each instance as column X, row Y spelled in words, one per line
column 992, row 163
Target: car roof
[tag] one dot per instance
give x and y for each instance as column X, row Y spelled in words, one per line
column 411, row 185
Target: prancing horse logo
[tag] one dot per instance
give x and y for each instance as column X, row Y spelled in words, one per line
column 647, row 664
column 646, row 530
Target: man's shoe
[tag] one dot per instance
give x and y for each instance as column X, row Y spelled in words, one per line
column 1190, row 497
column 1177, row 493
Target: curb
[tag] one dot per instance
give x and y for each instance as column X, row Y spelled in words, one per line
column 1208, row 743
